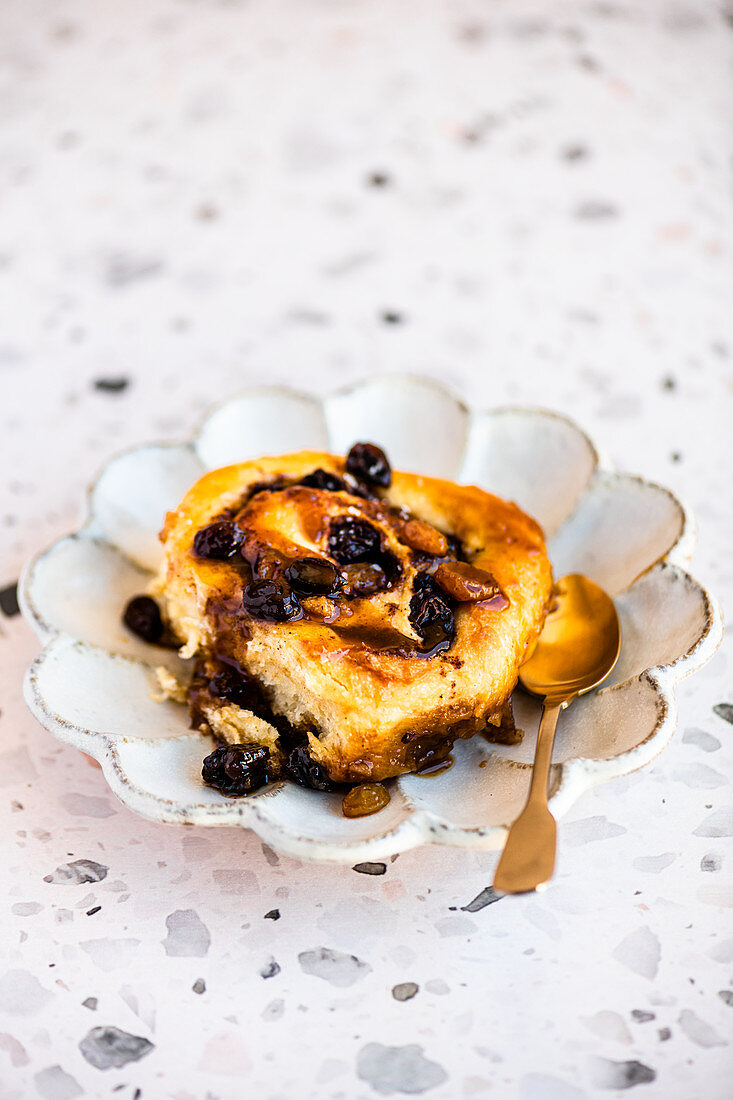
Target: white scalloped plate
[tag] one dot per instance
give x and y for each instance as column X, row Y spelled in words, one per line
column 91, row 684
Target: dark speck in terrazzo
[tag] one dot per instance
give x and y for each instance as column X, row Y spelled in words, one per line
column 9, row 600
column 370, row 868
column 111, row 385
column 574, row 153
column 487, row 897
column 726, row 996
column 121, row 270
column 596, row 210
column 405, row 991
column 93, row 910
column 273, row 914
column 668, row 383
column 390, row 317
column 81, row 870
column 199, row 986
column 664, row 1034
column 621, row 1075
column 724, row 711
column 378, row 179
column 270, row 969
column 109, row 1047
column 90, row 1003
column 641, row 1016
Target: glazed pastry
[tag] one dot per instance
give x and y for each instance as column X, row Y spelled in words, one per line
column 346, row 623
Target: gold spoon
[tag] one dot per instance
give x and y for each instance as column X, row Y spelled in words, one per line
column 576, row 651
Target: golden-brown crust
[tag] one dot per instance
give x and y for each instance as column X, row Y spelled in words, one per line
column 358, row 684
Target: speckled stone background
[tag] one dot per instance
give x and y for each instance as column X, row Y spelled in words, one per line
column 530, row 201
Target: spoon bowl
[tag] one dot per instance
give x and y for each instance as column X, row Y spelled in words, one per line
column 579, row 645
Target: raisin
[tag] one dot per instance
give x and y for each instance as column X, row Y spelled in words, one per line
column 365, row 579
column 367, row 798
column 271, row 601
column 234, row 688
column 351, row 540
column 142, row 616
column 236, row 769
column 306, row 772
column 218, row 541
column 369, row 463
column 431, row 615
column 321, row 479
column 424, row 537
column 314, row 577
column 465, row 582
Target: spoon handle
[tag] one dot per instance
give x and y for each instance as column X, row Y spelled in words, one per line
column 528, row 859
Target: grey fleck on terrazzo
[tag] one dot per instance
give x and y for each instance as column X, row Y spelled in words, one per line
column 590, row 829
column 26, row 908
column 370, row 868
column 640, row 952
column 271, row 856
column 543, row 1086
column 121, row 269
column 188, row 937
column 722, row 952
column 272, row 914
column 21, row 994
column 274, row 1010
column 454, row 926
column 16, row 767
column 109, row 1047
column 487, row 897
column 719, row 823
column 333, row 966
column 641, row 1016
column 711, row 861
column 398, row 1069
column 654, row 864
column 621, row 1075
column 699, row 777
column 437, row 986
column 91, row 1003
column 199, row 986
column 608, row 1025
column 109, row 954
column 664, row 1034
column 270, row 969
column 84, row 805
column 726, row 996
column 701, row 738
column 16, row 1050
column 405, row 991
column 724, row 711
column 700, row 1032
column 80, row 870
column 54, row 1083
column 595, row 210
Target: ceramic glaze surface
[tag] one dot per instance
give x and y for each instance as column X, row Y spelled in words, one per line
column 92, row 684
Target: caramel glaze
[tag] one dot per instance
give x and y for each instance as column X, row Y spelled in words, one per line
column 267, row 551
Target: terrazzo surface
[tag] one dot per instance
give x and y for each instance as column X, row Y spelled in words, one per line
column 529, row 202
